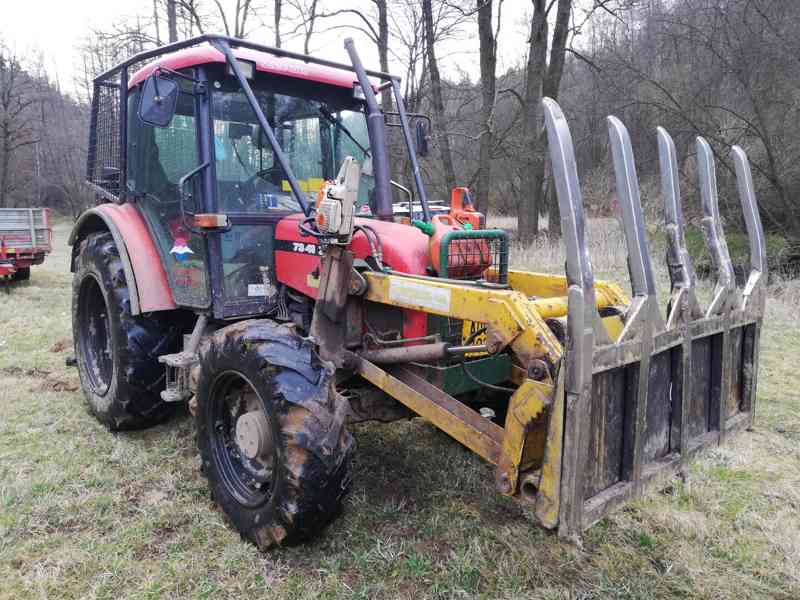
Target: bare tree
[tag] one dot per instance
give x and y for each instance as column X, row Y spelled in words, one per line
column 487, row 38
column 307, row 12
column 17, row 97
column 172, row 21
column 277, row 21
column 542, row 77
column 436, row 95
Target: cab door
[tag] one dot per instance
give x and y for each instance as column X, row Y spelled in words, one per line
column 157, row 159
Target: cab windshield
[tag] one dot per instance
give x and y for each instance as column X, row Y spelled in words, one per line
column 315, row 128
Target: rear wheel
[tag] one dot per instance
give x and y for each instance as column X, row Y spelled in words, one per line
column 116, row 352
column 271, row 432
column 22, row 274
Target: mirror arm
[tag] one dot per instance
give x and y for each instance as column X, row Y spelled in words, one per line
column 406, row 191
column 159, row 70
column 410, row 115
column 181, row 187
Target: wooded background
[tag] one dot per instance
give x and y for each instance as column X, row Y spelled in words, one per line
column 725, row 69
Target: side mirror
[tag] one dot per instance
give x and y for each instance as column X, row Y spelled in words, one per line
column 159, row 101
column 422, row 138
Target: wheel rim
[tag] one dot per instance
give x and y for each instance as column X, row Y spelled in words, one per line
column 249, row 480
column 95, row 336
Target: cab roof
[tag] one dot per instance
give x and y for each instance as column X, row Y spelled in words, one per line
column 265, row 62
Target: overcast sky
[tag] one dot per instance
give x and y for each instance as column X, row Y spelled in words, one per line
column 56, row 27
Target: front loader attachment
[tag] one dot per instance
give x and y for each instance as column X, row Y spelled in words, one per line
column 678, row 377
column 601, row 393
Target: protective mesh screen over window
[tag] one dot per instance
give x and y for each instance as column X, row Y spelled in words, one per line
column 104, row 159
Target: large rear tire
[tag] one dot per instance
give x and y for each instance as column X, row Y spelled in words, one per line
column 22, row 274
column 116, row 352
column 285, row 482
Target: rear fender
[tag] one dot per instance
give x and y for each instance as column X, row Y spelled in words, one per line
column 147, row 280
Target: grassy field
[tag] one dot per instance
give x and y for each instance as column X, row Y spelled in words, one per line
column 88, row 514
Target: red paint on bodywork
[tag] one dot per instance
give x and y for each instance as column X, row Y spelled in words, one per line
column 151, row 278
column 405, row 250
column 265, row 62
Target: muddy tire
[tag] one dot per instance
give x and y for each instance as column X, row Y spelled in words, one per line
column 116, row 352
column 289, row 483
column 22, row 274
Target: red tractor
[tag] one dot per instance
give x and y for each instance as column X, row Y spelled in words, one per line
column 249, row 256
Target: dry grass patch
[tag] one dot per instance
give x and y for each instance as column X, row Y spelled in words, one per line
column 88, row 514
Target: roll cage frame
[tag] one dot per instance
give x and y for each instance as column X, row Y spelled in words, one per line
column 225, row 44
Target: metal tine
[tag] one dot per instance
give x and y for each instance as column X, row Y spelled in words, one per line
column 752, row 219
column 639, row 264
column 582, row 311
column 683, row 304
column 583, row 320
column 712, row 229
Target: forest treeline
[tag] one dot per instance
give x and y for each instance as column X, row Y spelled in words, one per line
column 728, row 70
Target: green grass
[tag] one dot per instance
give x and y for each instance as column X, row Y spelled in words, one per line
column 88, row 514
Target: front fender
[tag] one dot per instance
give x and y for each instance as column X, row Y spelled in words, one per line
column 148, row 284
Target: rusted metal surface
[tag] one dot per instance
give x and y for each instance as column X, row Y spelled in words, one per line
column 461, row 422
column 639, row 404
column 406, row 354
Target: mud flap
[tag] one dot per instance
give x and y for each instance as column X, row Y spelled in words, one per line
column 677, row 378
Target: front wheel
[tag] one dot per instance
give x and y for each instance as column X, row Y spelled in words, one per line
column 271, row 433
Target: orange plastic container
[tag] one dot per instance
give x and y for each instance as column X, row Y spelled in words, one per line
column 462, row 210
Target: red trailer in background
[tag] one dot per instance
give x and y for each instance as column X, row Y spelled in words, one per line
column 25, row 239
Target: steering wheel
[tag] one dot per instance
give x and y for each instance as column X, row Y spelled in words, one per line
column 248, row 187
column 263, row 174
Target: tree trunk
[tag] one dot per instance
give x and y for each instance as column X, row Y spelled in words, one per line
column 541, row 80
column 488, row 63
column 533, row 160
column 278, row 4
column 311, row 21
column 436, row 97
column 558, row 51
column 172, row 21
column 383, row 49
column 4, row 168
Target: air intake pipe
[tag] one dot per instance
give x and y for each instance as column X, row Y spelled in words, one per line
column 376, row 126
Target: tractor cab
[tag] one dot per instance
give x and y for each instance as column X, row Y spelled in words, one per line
column 209, row 154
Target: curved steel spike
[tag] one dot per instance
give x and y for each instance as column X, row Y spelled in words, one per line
column 752, row 219
column 639, row 263
column 724, row 291
column 683, row 302
column 583, row 320
column 582, row 309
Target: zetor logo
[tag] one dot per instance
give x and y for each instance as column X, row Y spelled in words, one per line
column 306, row 248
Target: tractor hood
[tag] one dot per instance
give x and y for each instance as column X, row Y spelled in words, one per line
column 405, row 249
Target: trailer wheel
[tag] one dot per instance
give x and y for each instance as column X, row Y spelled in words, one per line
column 271, row 433
column 22, row 274
column 116, row 352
